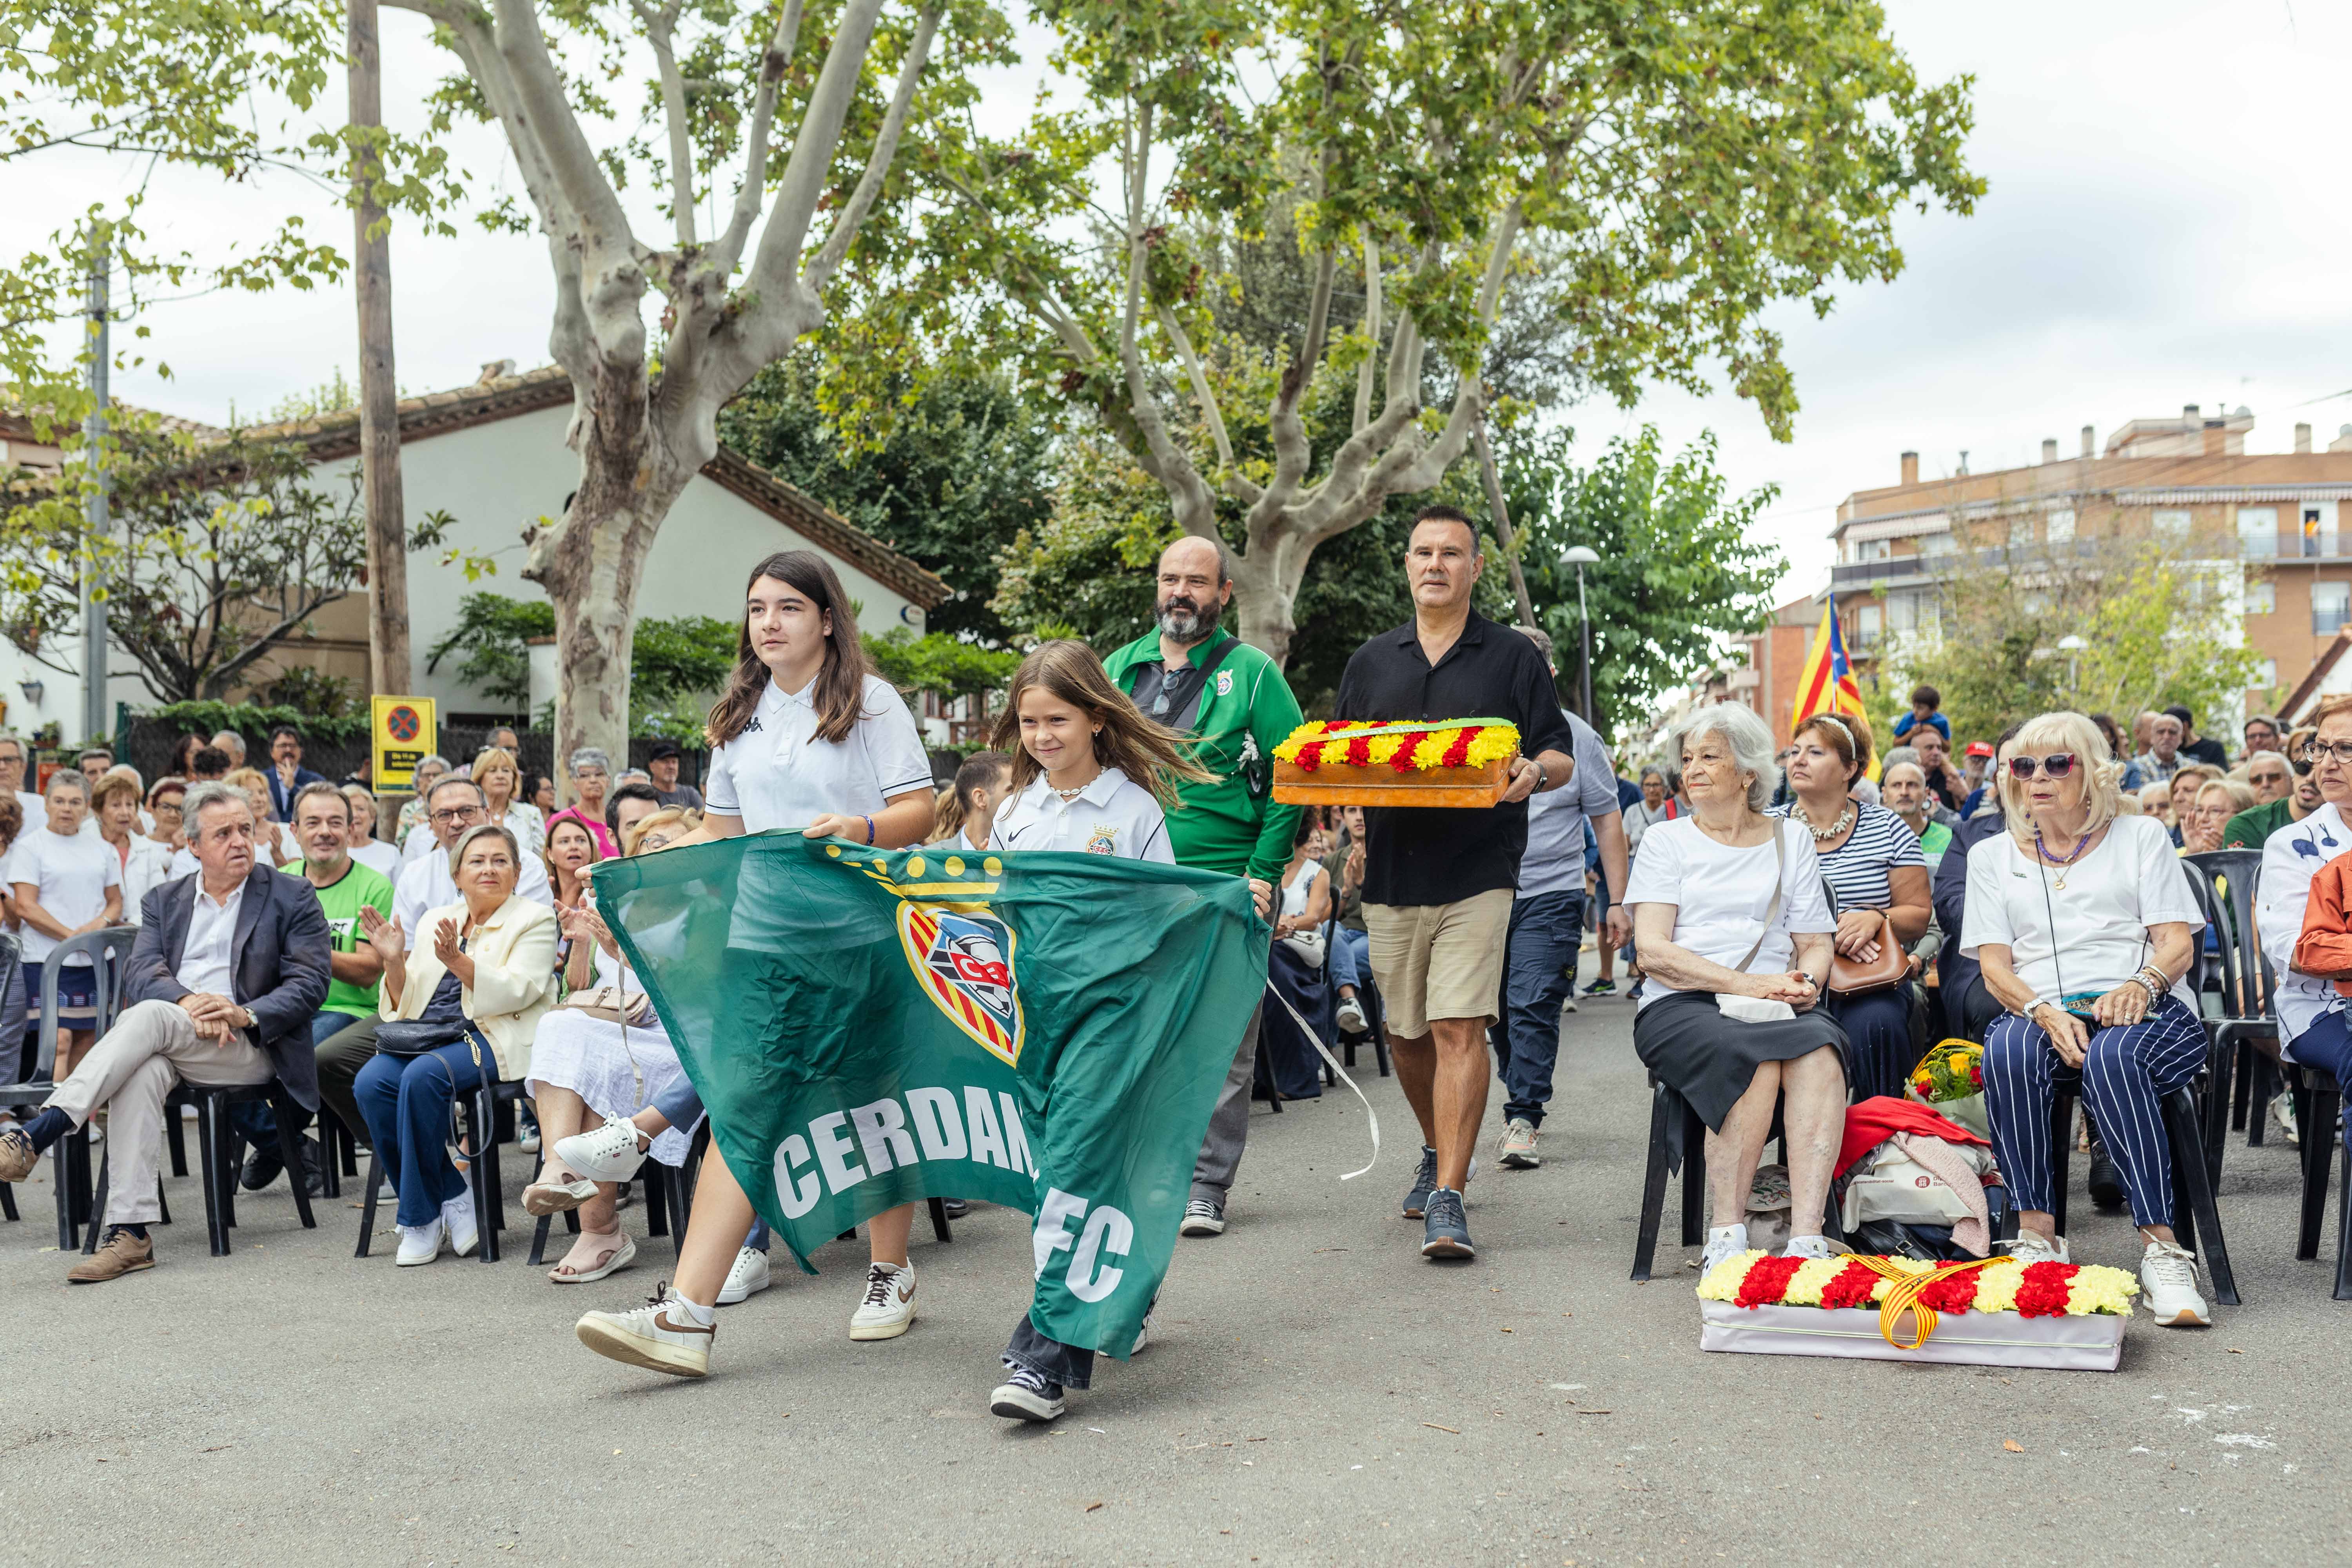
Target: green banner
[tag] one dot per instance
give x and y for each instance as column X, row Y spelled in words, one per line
column 869, row 1028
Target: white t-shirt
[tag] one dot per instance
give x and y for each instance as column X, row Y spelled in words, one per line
column 1112, row 816
column 777, row 774
column 1299, row 888
column 378, row 856
column 1720, row 894
column 2290, row 858
column 69, row 875
column 2131, row 881
column 149, row 867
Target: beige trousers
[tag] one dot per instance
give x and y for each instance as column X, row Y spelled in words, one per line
column 152, row 1051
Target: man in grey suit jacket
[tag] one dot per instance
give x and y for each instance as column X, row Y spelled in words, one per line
column 229, row 967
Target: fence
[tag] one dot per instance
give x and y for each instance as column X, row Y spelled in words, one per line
column 148, row 744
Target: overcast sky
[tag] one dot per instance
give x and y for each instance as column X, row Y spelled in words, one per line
column 2166, row 225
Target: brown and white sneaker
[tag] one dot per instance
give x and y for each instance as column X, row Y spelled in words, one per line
column 121, row 1253
column 657, row 1336
column 17, row 1155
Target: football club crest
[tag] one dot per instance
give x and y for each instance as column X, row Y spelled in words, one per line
column 964, row 961
column 1102, row 839
column 1224, row 683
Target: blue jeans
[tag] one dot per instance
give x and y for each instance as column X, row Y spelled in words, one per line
column 2327, row 1046
column 1351, row 956
column 253, row 1119
column 406, row 1102
column 1538, row 976
column 683, row 1107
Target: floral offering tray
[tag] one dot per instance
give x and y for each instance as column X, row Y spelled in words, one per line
column 1987, row 1313
column 1355, row 762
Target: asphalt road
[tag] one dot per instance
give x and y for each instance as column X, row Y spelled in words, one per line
column 1316, row 1392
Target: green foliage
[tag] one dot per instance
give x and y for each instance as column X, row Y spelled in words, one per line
column 1680, row 570
column 960, row 469
column 310, row 690
column 256, row 720
column 491, row 637
column 1085, row 570
column 673, row 659
column 215, row 557
column 2156, row 628
column 935, row 662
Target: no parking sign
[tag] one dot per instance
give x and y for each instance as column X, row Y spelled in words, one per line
column 402, row 732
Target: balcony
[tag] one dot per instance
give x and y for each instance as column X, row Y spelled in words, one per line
column 2288, row 546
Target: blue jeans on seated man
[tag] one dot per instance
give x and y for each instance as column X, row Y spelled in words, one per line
column 1538, row 977
column 2327, row 1046
column 683, row 1107
column 406, row 1101
column 253, row 1119
column 1350, row 957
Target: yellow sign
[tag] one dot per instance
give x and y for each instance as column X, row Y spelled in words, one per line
column 401, row 730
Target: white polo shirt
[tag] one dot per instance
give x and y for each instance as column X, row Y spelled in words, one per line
column 1112, row 816
column 777, row 774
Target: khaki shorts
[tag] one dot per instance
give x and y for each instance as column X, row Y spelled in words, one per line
column 1439, row 961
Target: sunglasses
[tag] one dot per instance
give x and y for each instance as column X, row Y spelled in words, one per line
column 2056, row 767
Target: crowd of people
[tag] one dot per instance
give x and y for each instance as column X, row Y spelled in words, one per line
column 1795, row 924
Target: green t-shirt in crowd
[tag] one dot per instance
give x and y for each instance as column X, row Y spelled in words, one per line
column 342, row 899
column 2250, row 826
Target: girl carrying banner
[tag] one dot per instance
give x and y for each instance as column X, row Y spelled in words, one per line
column 806, row 737
column 1092, row 775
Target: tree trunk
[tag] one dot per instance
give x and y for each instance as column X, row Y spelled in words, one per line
column 1263, row 605
column 1493, row 476
column 388, row 521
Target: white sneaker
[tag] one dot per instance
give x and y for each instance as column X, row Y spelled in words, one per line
column 748, row 1278
column 657, row 1336
column 610, row 1153
column 889, row 1304
column 1568, row 1006
column 2168, row 1280
column 1143, row 1336
column 2283, row 1109
column 1732, row 1242
column 1519, row 1145
column 458, row 1214
column 1351, row 1016
column 420, row 1244
column 2029, row 1249
column 1807, row 1247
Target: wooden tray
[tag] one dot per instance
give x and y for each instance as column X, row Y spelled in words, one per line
column 1336, row 783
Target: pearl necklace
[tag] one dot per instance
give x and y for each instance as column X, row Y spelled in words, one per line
column 1074, row 793
column 1844, row 819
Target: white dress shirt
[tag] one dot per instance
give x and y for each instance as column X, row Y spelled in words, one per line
column 1112, row 816
column 426, row 884
column 2292, row 857
column 207, row 962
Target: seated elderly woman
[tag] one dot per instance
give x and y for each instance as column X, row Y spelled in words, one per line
column 597, row 1063
column 463, row 1001
column 2315, row 1026
column 1734, row 932
column 2085, row 926
column 2218, row 800
column 1877, row 876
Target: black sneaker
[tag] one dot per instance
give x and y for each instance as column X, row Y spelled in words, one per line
column 1416, row 1197
column 1445, row 1234
column 1202, row 1217
column 261, row 1166
column 955, row 1208
column 1026, row 1396
column 2106, row 1182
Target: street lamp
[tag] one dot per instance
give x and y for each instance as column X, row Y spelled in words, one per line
column 2073, row 647
column 1578, row 556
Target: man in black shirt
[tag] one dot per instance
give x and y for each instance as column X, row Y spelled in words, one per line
column 1438, row 883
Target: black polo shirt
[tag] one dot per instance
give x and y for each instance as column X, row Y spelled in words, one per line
column 1428, row 856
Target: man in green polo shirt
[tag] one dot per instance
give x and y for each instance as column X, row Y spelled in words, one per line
column 2250, row 827
column 322, row 826
column 1194, row 676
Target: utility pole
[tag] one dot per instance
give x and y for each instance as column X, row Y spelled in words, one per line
column 387, row 536
column 97, row 715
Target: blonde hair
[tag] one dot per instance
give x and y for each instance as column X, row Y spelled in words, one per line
column 668, row 817
column 1151, row 754
column 2044, row 734
column 2241, row 794
column 490, row 757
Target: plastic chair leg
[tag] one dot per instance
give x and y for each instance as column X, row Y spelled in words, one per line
column 2061, row 1157
column 208, row 1161
column 1654, row 1186
column 8, row 1201
column 2318, row 1154
column 2342, row 1230
column 939, row 1222
column 2196, row 1188
column 1694, row 1175
column 290, row 1149
column 2242, row 1088
column 367, row 1209
column 97, row 1204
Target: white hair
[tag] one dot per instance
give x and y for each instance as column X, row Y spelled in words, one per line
column 1750, row 738
column 212, row 792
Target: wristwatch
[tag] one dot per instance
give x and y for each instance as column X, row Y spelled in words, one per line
column 1543, row 779
column 2035, row 1004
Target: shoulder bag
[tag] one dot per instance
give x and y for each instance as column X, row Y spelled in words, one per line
column 1852, row 976
column 1759, row 1009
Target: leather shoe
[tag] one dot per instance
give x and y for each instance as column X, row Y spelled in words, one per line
column 121, row 1253
column 2106, row 1182
column 262, row 1163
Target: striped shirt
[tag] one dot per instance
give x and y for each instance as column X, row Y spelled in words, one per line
column 1856, row 869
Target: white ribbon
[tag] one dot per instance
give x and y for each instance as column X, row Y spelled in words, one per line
column 1371, row 1116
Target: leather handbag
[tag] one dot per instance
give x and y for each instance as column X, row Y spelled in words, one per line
column 611, row 1003
column 1853, row 977
column 410, row 1037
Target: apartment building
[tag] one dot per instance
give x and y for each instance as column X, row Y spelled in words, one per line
column 2273, row 518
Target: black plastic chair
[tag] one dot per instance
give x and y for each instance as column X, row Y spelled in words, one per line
column 11, row 957
column 2245, row 1038
column 2318, row 1111
column 108, row 951
column 482, row 1104
column 1666, row 1102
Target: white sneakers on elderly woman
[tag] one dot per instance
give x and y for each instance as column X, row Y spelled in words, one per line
column 2168, row 1283
column 609, row 1154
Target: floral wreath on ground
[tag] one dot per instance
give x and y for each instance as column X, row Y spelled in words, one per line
column 1405, row 748
column 2031, row 1291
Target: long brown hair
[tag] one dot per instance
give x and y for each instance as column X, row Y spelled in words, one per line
column 1151, row 754
column 840, row 679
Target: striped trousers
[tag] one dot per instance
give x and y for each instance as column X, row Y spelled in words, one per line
column 2124, row 1075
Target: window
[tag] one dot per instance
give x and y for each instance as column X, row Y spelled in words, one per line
column 2331, row 606
column 1938, row 543
column 2262, row 598
column 2021, row 533
column 2169, row 524
column 1867, row 624
column 2060, row 529
column 1873, row 550
column 2258, row 532
column 2318, row 530
column 1901, row 612
column 2265, row 676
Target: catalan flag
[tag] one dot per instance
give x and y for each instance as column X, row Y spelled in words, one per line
column 1827, row 683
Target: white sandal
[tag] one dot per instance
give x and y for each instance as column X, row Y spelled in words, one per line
column 620, row 1258
column 556, row 1197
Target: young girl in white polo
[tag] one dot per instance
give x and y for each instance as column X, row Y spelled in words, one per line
column 1093, row 776
column 806, row 737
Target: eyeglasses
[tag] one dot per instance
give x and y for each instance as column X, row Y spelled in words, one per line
column 2329, row 750
column 459, row 814
column 2056, row 767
